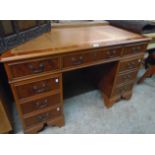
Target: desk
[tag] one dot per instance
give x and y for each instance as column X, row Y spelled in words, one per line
column 35, row 68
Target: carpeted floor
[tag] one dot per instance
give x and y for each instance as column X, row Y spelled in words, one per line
column 86, row 113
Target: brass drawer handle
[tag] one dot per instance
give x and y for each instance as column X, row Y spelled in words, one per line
column 37, row 89
column 39, row 70
column 77, row 61
column 42, row 104
column 42, row 117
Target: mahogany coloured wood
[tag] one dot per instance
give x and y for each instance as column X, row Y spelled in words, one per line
column 43, row 117
column 120, row 90
column 140, row 48
column 127, row 77
column 63, row 40
column 37, row 87
column 33, row 68
column 47, row 101
column 130, row 64
column 88, row 57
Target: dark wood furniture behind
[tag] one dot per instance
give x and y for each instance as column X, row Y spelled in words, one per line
column 35, row 68
column 15, row 32
column 149, row 66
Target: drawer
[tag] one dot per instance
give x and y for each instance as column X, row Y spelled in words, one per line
column 41, row 103
column 43, row 117
column 123, row 78
column 130, row 64
column 34, row 88
column 110, row 53
column 122, row 89
column 73, row 60
column 134, row 49
column 32, row 67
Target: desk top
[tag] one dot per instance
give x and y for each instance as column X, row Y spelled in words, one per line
column 72, row 38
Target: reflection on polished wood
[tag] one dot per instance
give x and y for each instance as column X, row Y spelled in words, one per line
column 64, row 40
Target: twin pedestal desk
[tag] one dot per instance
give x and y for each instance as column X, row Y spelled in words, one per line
column 35, row 69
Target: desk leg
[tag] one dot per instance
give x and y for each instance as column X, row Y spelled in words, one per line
column 106, row 83
column 54, row 122
column 110, row 101
column 112, row 91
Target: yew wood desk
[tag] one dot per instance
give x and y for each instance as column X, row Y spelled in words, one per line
column 35, row 68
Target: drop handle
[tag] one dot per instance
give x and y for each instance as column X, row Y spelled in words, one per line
column 43, row 117
column 42, row 104
column 37, row 70
column 41, row 89
column 77, row 61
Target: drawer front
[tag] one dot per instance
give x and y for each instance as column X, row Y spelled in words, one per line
column 43, row 117
column 110, row 53
column 73, row 60
column 33, row 67
column 130, row 65
column 134, row 49
column 41, row 103
column 123, row 78
column 34, row 88
column 122, row 89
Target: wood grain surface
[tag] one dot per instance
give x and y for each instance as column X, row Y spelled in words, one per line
column 66, row 39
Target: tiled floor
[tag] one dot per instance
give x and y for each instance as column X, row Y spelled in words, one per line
column 86, row 113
